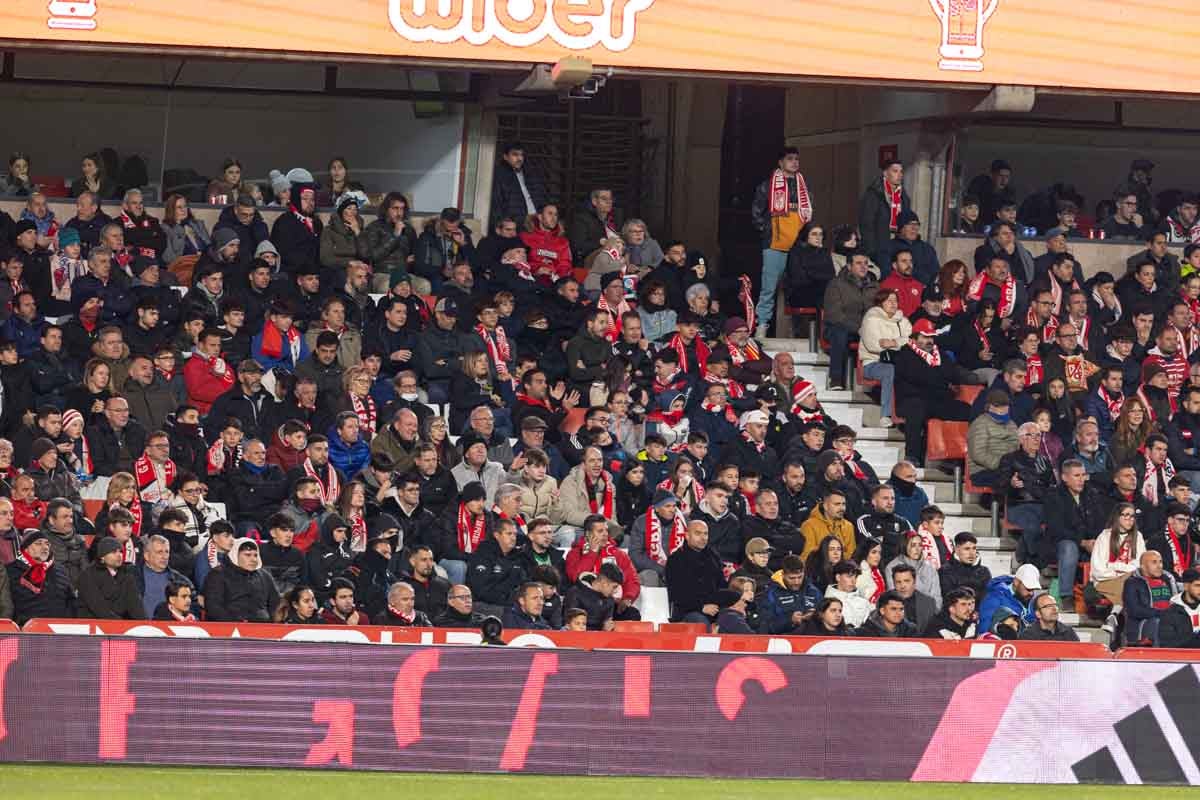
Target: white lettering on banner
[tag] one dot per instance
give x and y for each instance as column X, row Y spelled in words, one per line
column 343, row 633
column 573, row 24
column 531, row 640
column 869, row 647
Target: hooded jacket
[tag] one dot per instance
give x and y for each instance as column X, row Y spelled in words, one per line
column 549, row 251
column 372, row 578
column 328, row 559
column 233, row 594
column 927, row 577
column 1180, row 624
column 818, row 526
column 1000, row 595
column 298, row 245
column 874, row 218
column 943, row 627
column 55, row 599
column 285, row 565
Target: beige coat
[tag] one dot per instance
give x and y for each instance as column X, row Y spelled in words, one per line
column 573, row 501
column 538, row 500
column 877, row 325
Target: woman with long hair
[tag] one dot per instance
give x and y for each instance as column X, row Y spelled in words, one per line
column 658, row 319
column 92, row 178
column 871, row 583
column 953, row 280
column 912, row 553
column 1132, row 428
column 819, row 564
column 633, row 495
column 298, row 607
column 681, row 482
column 827, row 621
column 980, row 342
column 189, row 498
column 352, row 507
column 225, row 189
column 884, row 328
column 122, row 493
column 436, row 431
column 809, row 267
column 186, row 235
column 1117, row 553
column 339, row 183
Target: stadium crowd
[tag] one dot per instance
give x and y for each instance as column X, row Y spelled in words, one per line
column 264, row 409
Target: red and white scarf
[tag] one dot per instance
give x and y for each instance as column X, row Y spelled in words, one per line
column 851, row 463
column 758, row 446
column 603, row 504
column 730, row 415
column 134, row 508
column 217, row 458
column 527, row 400
column 1178, row 560
column 929, row 548
column 518, row 520
column 304, row 218
column 212, row 554
column 152, row 480
column 1008, row 293
column 470, row 530
column 779, row 205
column 366, row 411
column 880, row 583
column 272, row 342
column 1113, row 404
column 691, row 496
column 498, row 350
column 1048, row 330
column 1057, row 294
column 614, row 315
column 1150, row 412
column 745, row 293
column 1150, row 482
column 358, row 532
column 735, row 389
column 655, row 547
column 702, row 351
column 330, row 491
column 1189, row 340
column 1034, row 370
column 740, row 355
column 895, row 200
column 932, row 358
column 34, row 576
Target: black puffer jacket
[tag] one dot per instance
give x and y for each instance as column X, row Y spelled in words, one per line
column 327, row 559
column 232, row 594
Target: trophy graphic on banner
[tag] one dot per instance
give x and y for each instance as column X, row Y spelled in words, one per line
column 962, row 32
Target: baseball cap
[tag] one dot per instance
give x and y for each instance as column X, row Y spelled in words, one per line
column 757, row 545
column 756, row 417
column 923, row 327
column 447, row 306
column 933, row 292
column 1029, row 577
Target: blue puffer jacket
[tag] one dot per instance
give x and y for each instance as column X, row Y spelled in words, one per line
column 1000, row 594
column 349, row 458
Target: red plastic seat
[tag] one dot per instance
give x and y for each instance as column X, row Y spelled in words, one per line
column 967, row 394
column 683, row 627
column 633, row 626
column 945, row 441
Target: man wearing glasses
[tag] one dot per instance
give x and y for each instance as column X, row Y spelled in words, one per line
column 1126, row 222
column 1067, row 360
column 1029, row 476
column 155, row 471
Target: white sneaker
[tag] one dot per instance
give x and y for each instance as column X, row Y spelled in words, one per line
column 1110, row 625
column 760, row 332
column 885, row 422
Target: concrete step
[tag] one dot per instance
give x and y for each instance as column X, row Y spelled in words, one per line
column 962, row 510
column 997, row 544
column 980, row 526
column 997, row 563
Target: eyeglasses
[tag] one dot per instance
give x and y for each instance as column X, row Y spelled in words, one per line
column 459, row 597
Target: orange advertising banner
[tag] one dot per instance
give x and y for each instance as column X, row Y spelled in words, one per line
column 1100, row 44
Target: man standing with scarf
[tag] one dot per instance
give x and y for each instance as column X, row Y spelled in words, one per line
column 316, row 465
column 879, row 210
column 781, row 207
column 155, row 471
column 1154, row 472
column 923, row 389
column 297, row 232
column 612, row 300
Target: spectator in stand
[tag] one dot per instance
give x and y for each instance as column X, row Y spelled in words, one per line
column 258, row 488
column 990, row 437
column 640, row 247
column 889, row 620
column 993, row 189
column 1002, row 244
column 1132, row 429
column 549, row 250
column 39, row 586
column 1087, row 448
column 1046, row 626
column 694, row 576
column 1116, row 554
column 1146, row 597
column 88, row 221
column 955, row 621
column 143, row 233
column 847, row 300
column 595, row 548
column 1140, row 290
column 1182, row 225
column 782, row 206
column 342, row 240
column 1126, row 222
column 809, row 268
column 93, row 179
column 828, row 519
column 517, row 191
column 1105, row 404
column 1073, row 516
column 184, row 234
column 1174, row 540
column 908, row 237
column 924, row 576
column 923, row 388
column 444, row 242
column 879, row 210
column 900, row 280
column 965, row 569
column 227, row 188
column 855, row 608
column 1179, row 625
column 297, row 232
column 970, row 217
column 884, row 329
column 1028, row 475
column 388, row 244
